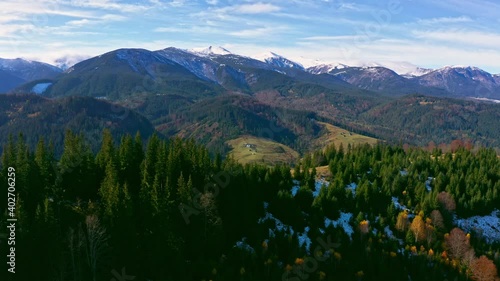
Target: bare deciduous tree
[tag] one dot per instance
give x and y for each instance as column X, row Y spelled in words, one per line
column 437, row 219
column 447, row 201
column 458, row 243
column 210, row 213
column 96, row 243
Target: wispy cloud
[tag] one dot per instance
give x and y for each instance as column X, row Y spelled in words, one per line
column 461, row 37
column 480, row 8
column 257, row 32
column 112, row 5
column 187, row 29
column 332, row 38
column 256, row 8
column 104, row 19
column 445, row 20
column 31, row 10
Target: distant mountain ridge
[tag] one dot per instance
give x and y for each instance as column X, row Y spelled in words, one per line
column 15, row 72
column 217, row 67
column 464, row 81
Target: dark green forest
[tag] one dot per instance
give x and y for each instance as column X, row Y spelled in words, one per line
column 168, row 210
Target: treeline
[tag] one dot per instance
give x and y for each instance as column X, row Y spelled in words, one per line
column 419, row 120
column 471, row 178
column 166, row 210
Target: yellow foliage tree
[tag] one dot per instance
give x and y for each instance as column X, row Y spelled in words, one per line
column 402, row 221
column 418, row 229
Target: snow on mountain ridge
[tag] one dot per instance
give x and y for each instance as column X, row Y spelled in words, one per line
column 210, row 50
column 326, row 68
column 20, row 63
column 278, row 60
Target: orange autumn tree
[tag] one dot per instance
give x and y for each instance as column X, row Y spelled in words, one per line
column 364, row 227
column 483, row 269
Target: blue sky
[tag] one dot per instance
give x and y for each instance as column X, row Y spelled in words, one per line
column 425, row 33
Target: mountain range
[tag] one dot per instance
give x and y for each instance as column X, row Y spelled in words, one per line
column 214, row 96
column 226, row 69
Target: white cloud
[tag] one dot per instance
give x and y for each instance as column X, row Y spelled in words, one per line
column 256, row 8
column 187, row 29
column 177, row 3
column 254, row 32
column 34, row 11
column 79, row 23
column 445, row 20
column 104, row 19
column 332, row 38
column 110, row 5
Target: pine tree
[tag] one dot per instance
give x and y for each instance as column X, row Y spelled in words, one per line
column 76, row 172
column 109, row 192
column 45, row 163
column 107, row 152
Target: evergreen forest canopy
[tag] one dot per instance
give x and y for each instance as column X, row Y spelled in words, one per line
column 166, row 210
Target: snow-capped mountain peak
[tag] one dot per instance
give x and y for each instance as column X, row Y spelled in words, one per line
column 470, row 72
column 264, row 57
column 326, row 68
column 461, row 67
column 211, row 50
column 417, row 72
column 278, row 60
column 405, row 69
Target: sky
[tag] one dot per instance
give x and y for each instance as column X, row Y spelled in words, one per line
column 426, row 33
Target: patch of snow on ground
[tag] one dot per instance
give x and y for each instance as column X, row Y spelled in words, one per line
column 343, row 221
column 304, row 239
column 244, row 246
column 395, row 201
column 428, row 184
column 278, row 225
column 352, row 187
column 40, row 88
column 318, row 185
column 327, row 222
column 487, row 226
column 403, row 173
column 389, row 233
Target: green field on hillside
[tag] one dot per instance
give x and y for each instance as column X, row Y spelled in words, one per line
column 250, row 149
column 339, row 136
